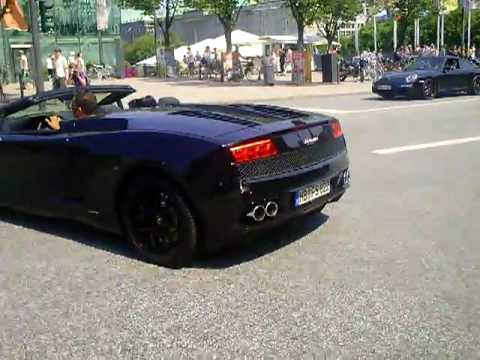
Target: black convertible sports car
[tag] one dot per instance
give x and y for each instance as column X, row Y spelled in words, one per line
column 174, row 178
column 429, row 77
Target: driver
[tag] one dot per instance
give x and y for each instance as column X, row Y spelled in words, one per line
column 84, row 104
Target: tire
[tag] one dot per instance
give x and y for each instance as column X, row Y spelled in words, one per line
column 475, row 90
column 158, row 222
column 428, row 89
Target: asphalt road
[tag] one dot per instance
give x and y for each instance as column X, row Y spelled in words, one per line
column 391, row 271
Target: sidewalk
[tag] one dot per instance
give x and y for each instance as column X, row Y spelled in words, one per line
column 197, row 91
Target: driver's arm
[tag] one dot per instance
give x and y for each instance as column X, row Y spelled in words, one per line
column 54, row 122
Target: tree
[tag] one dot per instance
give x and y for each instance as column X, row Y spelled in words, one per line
column 332, row 13
column 227, row 12
column 406, row 11
column 150, row 7
column 305, row 12
column 140, row 49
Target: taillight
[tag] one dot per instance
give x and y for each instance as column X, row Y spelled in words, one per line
column 336, row 128
column 253, row 151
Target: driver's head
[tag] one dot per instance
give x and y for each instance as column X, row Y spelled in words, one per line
column 84, row 104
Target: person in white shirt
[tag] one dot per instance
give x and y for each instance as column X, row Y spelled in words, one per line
column 23, row 68
column 50, row 67
column 61, row 70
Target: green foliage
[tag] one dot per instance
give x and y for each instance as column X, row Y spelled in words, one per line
column 331, row 13
column 428, row 31
column 140, row 49
column 175, row 41
column 148, row 7
column 227, row 12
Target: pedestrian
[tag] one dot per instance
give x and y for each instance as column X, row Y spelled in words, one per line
column 283, row 58
column 61, row 70
column 23, row 69
column 81, row 69
column 50, row 67
column 190, row 61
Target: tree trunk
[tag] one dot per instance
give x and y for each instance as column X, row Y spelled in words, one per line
column 300, row 30
column 402, row 32
column 228, row 38
column 166, row 39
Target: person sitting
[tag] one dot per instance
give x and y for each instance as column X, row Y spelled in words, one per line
column 84, row 104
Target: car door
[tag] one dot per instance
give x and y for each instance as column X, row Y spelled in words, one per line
column 33, row 163
column 93, row 158
column 34, row 168
column 451, row 78
column 468, row 73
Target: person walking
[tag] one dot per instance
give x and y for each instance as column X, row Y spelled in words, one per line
column 61, row 70
column 81, row 75
column 23, row 69
column 283, row 58
column 50, row 67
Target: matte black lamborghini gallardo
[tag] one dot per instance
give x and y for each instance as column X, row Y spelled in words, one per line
column 429, row 77
column 174, row 178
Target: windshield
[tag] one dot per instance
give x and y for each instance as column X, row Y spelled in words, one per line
column 433, row 63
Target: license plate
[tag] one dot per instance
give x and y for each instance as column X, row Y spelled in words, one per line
column 384, row 87
column 311, row 193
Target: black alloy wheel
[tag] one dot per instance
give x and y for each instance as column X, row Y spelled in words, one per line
column 429, row 89
column 158, row 222
column 476, row 85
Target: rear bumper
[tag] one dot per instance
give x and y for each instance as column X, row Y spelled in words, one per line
column 232, row 223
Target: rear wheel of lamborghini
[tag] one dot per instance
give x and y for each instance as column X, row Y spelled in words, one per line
column 429, row 90
column 475, row 86
column 158, row 222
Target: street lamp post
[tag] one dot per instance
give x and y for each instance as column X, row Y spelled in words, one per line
column 37, row 61
column 469, row 27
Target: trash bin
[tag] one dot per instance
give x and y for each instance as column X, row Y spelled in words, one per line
column 329, row 68
column 268, row 73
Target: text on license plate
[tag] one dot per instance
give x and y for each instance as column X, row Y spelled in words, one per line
column 384, row 87
column 311, row 193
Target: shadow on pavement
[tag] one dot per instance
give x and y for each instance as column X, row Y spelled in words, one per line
column 256, row 247
column 264, row 243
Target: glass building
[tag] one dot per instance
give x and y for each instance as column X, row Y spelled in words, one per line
column 70, row 25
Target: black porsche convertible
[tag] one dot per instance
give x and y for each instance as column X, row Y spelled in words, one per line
column 429, row 77
column 173, row 178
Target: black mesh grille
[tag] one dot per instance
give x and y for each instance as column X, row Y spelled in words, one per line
column 274, row 111
column 214, row 116
column 287, row 162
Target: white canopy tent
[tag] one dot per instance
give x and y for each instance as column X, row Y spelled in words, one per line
column 309, row 39
column 249, row 45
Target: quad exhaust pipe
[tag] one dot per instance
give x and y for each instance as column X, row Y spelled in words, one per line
column 271, row 209
column 259, row 212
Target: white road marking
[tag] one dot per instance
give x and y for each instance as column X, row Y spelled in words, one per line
column 400, row 149
column 389, row 108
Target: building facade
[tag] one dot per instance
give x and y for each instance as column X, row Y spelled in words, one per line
column 71, row 26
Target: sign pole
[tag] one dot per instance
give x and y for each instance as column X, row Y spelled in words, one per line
column 37, row 61
column 395, row 24
column 469, row 27
column 438, row 33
